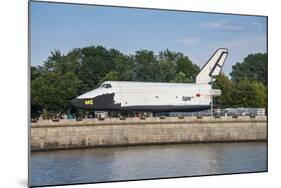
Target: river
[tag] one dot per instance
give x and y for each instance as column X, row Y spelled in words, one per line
column 143, row 162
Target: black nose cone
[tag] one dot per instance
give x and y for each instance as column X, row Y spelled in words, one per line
column 82, row 103
column 75, row 102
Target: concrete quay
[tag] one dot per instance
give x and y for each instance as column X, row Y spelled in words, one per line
column 68, row 134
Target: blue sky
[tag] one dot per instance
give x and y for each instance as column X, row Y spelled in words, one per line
column 65, row 26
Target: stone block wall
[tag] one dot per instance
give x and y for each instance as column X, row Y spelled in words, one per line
column 133, row 131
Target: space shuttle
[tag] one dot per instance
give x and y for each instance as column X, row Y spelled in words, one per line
column 156, row 96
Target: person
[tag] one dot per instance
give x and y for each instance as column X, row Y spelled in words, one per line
column 69, row 116
column 64, row 116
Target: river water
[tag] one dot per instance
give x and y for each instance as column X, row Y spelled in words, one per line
column 143, row 162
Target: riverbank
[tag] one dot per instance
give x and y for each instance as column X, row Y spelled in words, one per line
column 66, row 134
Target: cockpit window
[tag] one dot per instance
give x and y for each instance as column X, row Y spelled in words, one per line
column 106, row 85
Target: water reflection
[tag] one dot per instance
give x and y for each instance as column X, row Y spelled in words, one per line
column 141, row 162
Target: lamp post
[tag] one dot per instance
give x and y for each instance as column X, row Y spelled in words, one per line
column 211, row 95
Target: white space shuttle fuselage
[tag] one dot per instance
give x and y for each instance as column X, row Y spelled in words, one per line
column 156, row 96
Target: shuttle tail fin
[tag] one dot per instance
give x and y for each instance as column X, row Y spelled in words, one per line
column 213, row 66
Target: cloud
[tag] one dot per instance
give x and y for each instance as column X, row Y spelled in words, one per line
column 240, row 47
column 245, row 42
column 222, row 25
column 190, row 41
column 257, row 24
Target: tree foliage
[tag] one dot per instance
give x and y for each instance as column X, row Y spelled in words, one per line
column 245, row 93
column 226, row 86
column 53, row 85
column 253, row 68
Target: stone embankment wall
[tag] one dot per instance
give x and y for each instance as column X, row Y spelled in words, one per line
column 64, row 134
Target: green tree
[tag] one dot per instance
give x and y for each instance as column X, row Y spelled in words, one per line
column 56, row 85
column 181, row 78
column 260, row 96
column 226, row 86
column 145, row 66
column 176, row 67
column 36, row 108
column 166, row 71
column 166, row 65
column 96, row 62
column 124, row 67
column 253, row 68
column 185, row 66
column 111, row 76
column 245, row 93
column 249, row 94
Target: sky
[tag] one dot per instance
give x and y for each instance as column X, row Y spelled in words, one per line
column 55, row 26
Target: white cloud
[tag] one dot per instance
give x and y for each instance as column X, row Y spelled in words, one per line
column 239, row 48
column 245, row 42
column 222, row 25
column 190, row 41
